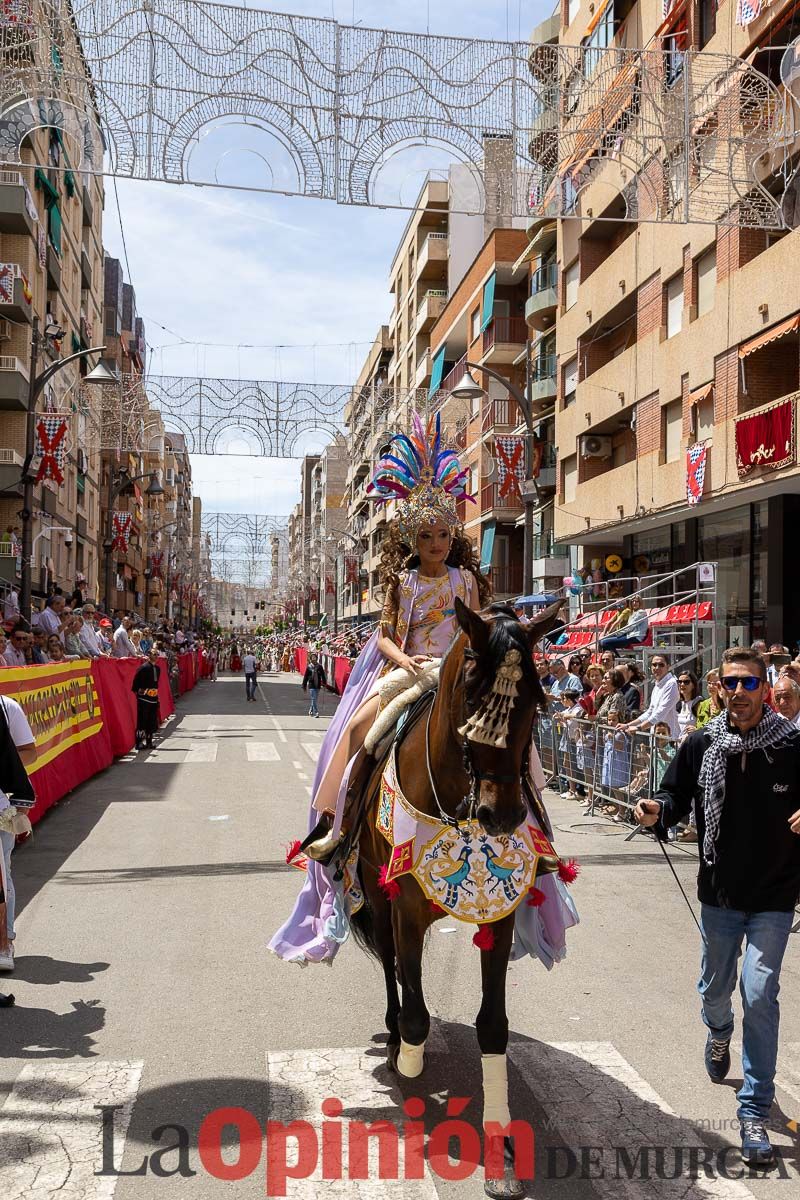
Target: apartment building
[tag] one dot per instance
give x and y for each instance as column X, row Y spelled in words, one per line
column 671, row 337
column 178, row 511
column 484, row 324
column 328, row 523
column 50, row 272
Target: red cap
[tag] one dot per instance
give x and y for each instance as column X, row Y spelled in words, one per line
column 105, row 623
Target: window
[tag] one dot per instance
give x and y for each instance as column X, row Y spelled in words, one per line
column 675, row 45
column 673, row 429
column 571, row 285
column 599, row 40
column 570, row 381
column 474, row 324
column 706, row 280
column 705, row 420
column 674, row 305
column 708, row 21
column 570, row 466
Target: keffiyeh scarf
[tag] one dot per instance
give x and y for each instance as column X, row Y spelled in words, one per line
column 771, row 732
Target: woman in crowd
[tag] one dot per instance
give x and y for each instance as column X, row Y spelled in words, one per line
column 145, row 688
column 712, row 705
column 688, row 704
column 616, row 763
column 591, row 700
column 146, row 641
column 72, row 638
column 575, row 667
column 56, row 652
column 632, row 688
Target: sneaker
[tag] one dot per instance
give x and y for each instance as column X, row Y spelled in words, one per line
column 7, row 959
column 718, row 1058
column 756, row 1147
column 565, row 795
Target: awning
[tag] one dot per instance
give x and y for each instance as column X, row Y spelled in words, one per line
column 593, row 128
column 43, row 184
column 543, row 239
column 595, row 21
column 671, row 19
column 437, row 370
column 770, row 335
column 488, row 300
column 487, row 546
column 702, row 393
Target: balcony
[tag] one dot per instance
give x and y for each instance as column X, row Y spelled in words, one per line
column 16, row 298
column 540, row 310
column 543, row 142
column 455, row 375
column 546, row 477
column 86, row 269
column 502, row 507
column 11, row 462
column 14, row 383
column 53, row 270
column 543, row 56
column 503, row 338
column 500, row 415
column 87, row 205
column 432, row 261
column 16, row 203
column 423, row 374
column 430, row 309
column 543, row 382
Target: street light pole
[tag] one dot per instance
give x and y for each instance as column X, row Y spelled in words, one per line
column 470, row 389
column 36, row 385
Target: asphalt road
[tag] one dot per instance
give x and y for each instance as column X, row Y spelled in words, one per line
column 144, row 986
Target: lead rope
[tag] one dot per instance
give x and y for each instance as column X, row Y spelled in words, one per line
column 445, row 817
column 641, row 829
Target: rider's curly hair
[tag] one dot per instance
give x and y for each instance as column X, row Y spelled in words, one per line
column 398, row 555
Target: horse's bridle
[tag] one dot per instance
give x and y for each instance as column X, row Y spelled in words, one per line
column 468, row 807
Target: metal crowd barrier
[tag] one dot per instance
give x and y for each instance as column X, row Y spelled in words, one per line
column 600, row 761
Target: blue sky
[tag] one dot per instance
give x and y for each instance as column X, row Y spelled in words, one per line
column 257, row 270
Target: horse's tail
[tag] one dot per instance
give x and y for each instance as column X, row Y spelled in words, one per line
column 362, row 923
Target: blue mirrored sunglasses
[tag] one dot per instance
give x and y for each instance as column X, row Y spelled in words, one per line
column 748, row 682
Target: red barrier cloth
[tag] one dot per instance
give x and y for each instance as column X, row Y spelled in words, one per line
column 166, row 701
column 300, row 659
column 64, row 711
column 187, row 671
column 342, row 674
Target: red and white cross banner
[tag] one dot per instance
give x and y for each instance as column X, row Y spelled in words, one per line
column 122, row 529
column 510, row 456
column 156, row 565
column 51, row 433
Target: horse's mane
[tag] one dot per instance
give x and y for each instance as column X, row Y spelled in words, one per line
column 506, row 633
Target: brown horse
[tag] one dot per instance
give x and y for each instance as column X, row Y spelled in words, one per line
column 441, row 772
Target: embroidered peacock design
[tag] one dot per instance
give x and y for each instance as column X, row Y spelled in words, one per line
column 502, row 868
column 454, row 874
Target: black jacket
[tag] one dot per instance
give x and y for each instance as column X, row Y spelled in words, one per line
column 757, row 866
column 314, row 676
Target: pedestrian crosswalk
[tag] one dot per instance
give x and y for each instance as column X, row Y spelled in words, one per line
column 247, row 748
column 594, row 1115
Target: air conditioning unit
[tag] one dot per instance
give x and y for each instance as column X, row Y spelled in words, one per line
column 10, row 458
column 595, row 447
column 5, row 330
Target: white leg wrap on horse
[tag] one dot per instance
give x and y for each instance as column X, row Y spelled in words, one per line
column 495, row 1089
column 410, row 1059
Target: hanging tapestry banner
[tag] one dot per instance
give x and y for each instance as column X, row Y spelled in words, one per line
column 510, row 456
column 765, row 439
column 696, row 458
column 51, row 446
column 156, row 565
column 122, row 529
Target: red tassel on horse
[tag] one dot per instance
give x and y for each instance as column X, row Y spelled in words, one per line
column 536, row 897
column 568, row 871
column 389, row 887
column 292, row 850
column 484, row 938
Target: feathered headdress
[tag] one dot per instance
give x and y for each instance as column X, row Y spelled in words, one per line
column 425, row 478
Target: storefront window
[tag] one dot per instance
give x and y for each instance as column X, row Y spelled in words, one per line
column 652, row 556
column 759, row 587
column 725, row 539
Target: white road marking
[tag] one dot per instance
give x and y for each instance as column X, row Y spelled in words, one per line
column 262, row 752
column 278, row 729
column 50, row 1131
column 299, row 1081
column 297, row 765
column 311, row 749
column 592, row 1096
column 308, row 789
column 204, row 752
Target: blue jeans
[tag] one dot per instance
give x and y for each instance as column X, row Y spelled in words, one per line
column 250, row 686
column 7, row 841
column 314, row 694
column 765, row 935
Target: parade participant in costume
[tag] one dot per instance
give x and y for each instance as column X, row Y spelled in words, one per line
column 427, row 562
column 145, row 687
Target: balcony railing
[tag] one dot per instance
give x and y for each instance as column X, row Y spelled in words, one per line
column 513, row 330
column 503, row 414
column 491, row 498
column 455, row 376
column 507, row 580
column 544, row 277
column 543, row 368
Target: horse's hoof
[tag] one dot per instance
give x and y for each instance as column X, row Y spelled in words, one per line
column 501, row 1188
